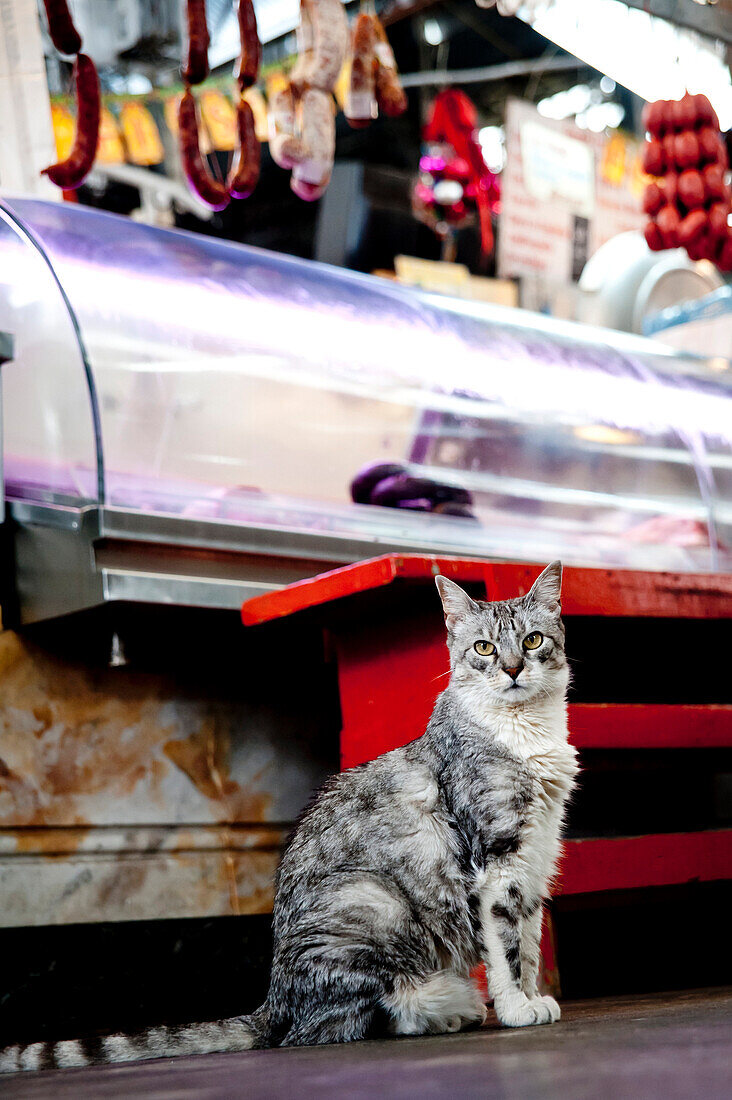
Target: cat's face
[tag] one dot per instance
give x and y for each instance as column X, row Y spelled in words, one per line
column 511, row 651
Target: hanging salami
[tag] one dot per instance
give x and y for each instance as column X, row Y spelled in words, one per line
column 64, row 34
column 195, row 69
column 209, row 190
column 71, row 173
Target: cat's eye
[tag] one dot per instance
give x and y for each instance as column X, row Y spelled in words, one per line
column 533, row 640
column 486, row 649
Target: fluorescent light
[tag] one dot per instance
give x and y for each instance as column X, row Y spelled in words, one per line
column 601, row 116
column 492, row 142
column 566, row 104
column 644, row 53
column 432, row 32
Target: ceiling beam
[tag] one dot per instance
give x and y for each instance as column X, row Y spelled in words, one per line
column 490, row 73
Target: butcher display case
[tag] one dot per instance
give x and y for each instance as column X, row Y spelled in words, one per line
column 184, row 419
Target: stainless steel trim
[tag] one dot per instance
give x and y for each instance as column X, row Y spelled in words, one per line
column 131, row 586
column 261, row 539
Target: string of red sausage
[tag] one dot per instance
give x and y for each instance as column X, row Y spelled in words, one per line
column 71, row 172
column 689, row 203
column 301, row 117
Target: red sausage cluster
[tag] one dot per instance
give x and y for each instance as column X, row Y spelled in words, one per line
column 688, row 205
column 71, row 173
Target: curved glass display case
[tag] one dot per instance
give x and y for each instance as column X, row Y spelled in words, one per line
column 197, row 411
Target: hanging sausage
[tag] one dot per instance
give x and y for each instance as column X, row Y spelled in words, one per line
column 244, row 172
column 373, row 83
column 195, row 69
column 71, row 173
column 209, row 190
column 64, row 34
column 360, row 106
column 390, row 96
column 245, row 169
column 250, row 57
column 302, row 127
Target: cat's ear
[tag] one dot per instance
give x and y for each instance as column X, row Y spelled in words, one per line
column 455, row 603
column 547, row 587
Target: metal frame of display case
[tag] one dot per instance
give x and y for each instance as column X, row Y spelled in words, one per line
column 71, row 559
column 6, row 354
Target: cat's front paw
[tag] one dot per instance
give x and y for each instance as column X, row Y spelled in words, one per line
column 518, row 1010
column 552, row 1007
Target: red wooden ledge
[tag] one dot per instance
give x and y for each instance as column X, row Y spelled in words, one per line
column 584, row 592
column 661, row 859
column 649, row 726
column 591, row 725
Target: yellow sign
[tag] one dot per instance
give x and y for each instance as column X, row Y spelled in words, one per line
column 613, row 160
column 219, row 119
column 64, row 129
column 141, row 134
column 638, row 178
column 110, row 149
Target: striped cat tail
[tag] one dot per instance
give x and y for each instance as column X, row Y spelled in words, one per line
column 217, row 1036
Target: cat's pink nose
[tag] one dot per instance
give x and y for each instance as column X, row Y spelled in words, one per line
column 513, row 672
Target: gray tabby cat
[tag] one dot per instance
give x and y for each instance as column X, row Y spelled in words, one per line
column 406, row 872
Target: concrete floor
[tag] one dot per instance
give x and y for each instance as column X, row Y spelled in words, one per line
column 674, row 1046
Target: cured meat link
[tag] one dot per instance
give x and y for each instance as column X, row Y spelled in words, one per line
column 390, row 96
column 202, row 183
column 64, row 34
column 250, row 57
column 360, row 97
column 245, row 169
column 285, row 147
column 196, row 67
column 318, row 139
column 305, row 48
column 330, row 42
column 70, row 173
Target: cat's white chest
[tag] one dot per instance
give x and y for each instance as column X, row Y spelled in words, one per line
column 539, row 739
